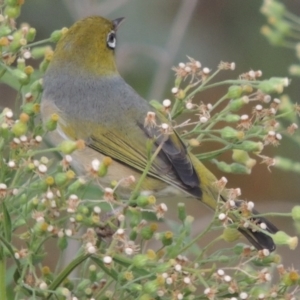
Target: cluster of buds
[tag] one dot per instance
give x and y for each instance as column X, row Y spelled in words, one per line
column 183, row 70
column 125, row 245
column 264, row 276
column 160, row 210
column 226, row 279
column 251, row 75
column 90, row 240
column 226, row 66
column 99, row 168
column 245, row 123
column 221, row 183
column 21, row 254
column 72, row 203
column 272, row 138
column 150, row 120
column 204, row 112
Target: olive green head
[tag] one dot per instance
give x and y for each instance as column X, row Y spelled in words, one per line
column 88, row 46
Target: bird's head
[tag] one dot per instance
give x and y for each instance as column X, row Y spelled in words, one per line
column 88, row 46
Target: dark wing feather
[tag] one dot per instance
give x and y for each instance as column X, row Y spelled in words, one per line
column 172, row 164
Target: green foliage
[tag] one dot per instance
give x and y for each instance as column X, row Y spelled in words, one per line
column 42, row 199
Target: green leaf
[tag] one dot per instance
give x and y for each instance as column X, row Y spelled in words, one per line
column 6, row 223
column 66, row 271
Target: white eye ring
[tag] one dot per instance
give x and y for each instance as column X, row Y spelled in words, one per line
column 111, row 40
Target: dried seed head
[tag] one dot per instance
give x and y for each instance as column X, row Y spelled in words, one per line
column 150, row 120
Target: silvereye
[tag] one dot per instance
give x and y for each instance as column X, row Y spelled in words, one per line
column 82, row 85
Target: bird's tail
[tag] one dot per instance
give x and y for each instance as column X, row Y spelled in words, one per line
column 259, row 239
column 210, row 195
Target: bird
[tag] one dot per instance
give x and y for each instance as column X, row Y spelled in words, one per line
column 83, row 87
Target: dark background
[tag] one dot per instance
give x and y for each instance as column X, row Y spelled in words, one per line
column 158, row 34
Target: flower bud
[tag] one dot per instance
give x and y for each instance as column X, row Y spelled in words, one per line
column 231, row 168
column 273, row 85
column 251, row 146
column 290, row 278
column 133, row 234
column 83, row 284
column 62, row 243
column 150, row 287
column 240, row 156
column 57, row 34
column 140, row 260
column 76, row 185
column 67, row 147
column 237, row 104
column 294, row 70
column 135, row 216
column 39, row 52
column 273, row 8
column 147, row 233
column 232, row 118
column 61, row 179
column 28, row 108
column 19, row 74
column 135, row 287
column 230, row 234
column 228, row 133
column 19, row 129
column 142, row 201
column 158, row 106
column 12, row 11
column 31, row 34
column 37, row 86
column 234, row 91
column 281, row 238
column 296, row 213
column 51, row 124
column 4, row 30
column 4, row 41
column 181, row 211
column 103, row 168
column 167, row 238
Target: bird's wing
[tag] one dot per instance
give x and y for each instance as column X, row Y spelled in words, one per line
column 128, row 145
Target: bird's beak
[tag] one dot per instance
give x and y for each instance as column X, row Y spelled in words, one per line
column 117, row 23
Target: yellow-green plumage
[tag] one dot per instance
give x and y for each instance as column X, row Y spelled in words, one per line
column 83, row 86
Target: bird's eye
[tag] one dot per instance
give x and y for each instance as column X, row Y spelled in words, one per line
column 111, row 40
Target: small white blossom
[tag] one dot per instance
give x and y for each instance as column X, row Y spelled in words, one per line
column 169, row 280
column 95, row 165
column 128, row 251
column 9, row 114
column 174, row 90
column 187, row 280
column 107, row 259
column 166, row 103
column 243, row 295
column 42, row 169
column 178, row 267
column 203, row 119
column 266, row 252
column 11, row 164
column 206, row 71
column 68, row 232
column 23, row 138
column 250, row 205
column 222, row 217
column 263, row 226
column 43, row 285
column 91, row 249
column 38, row 139
column 97, row 210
